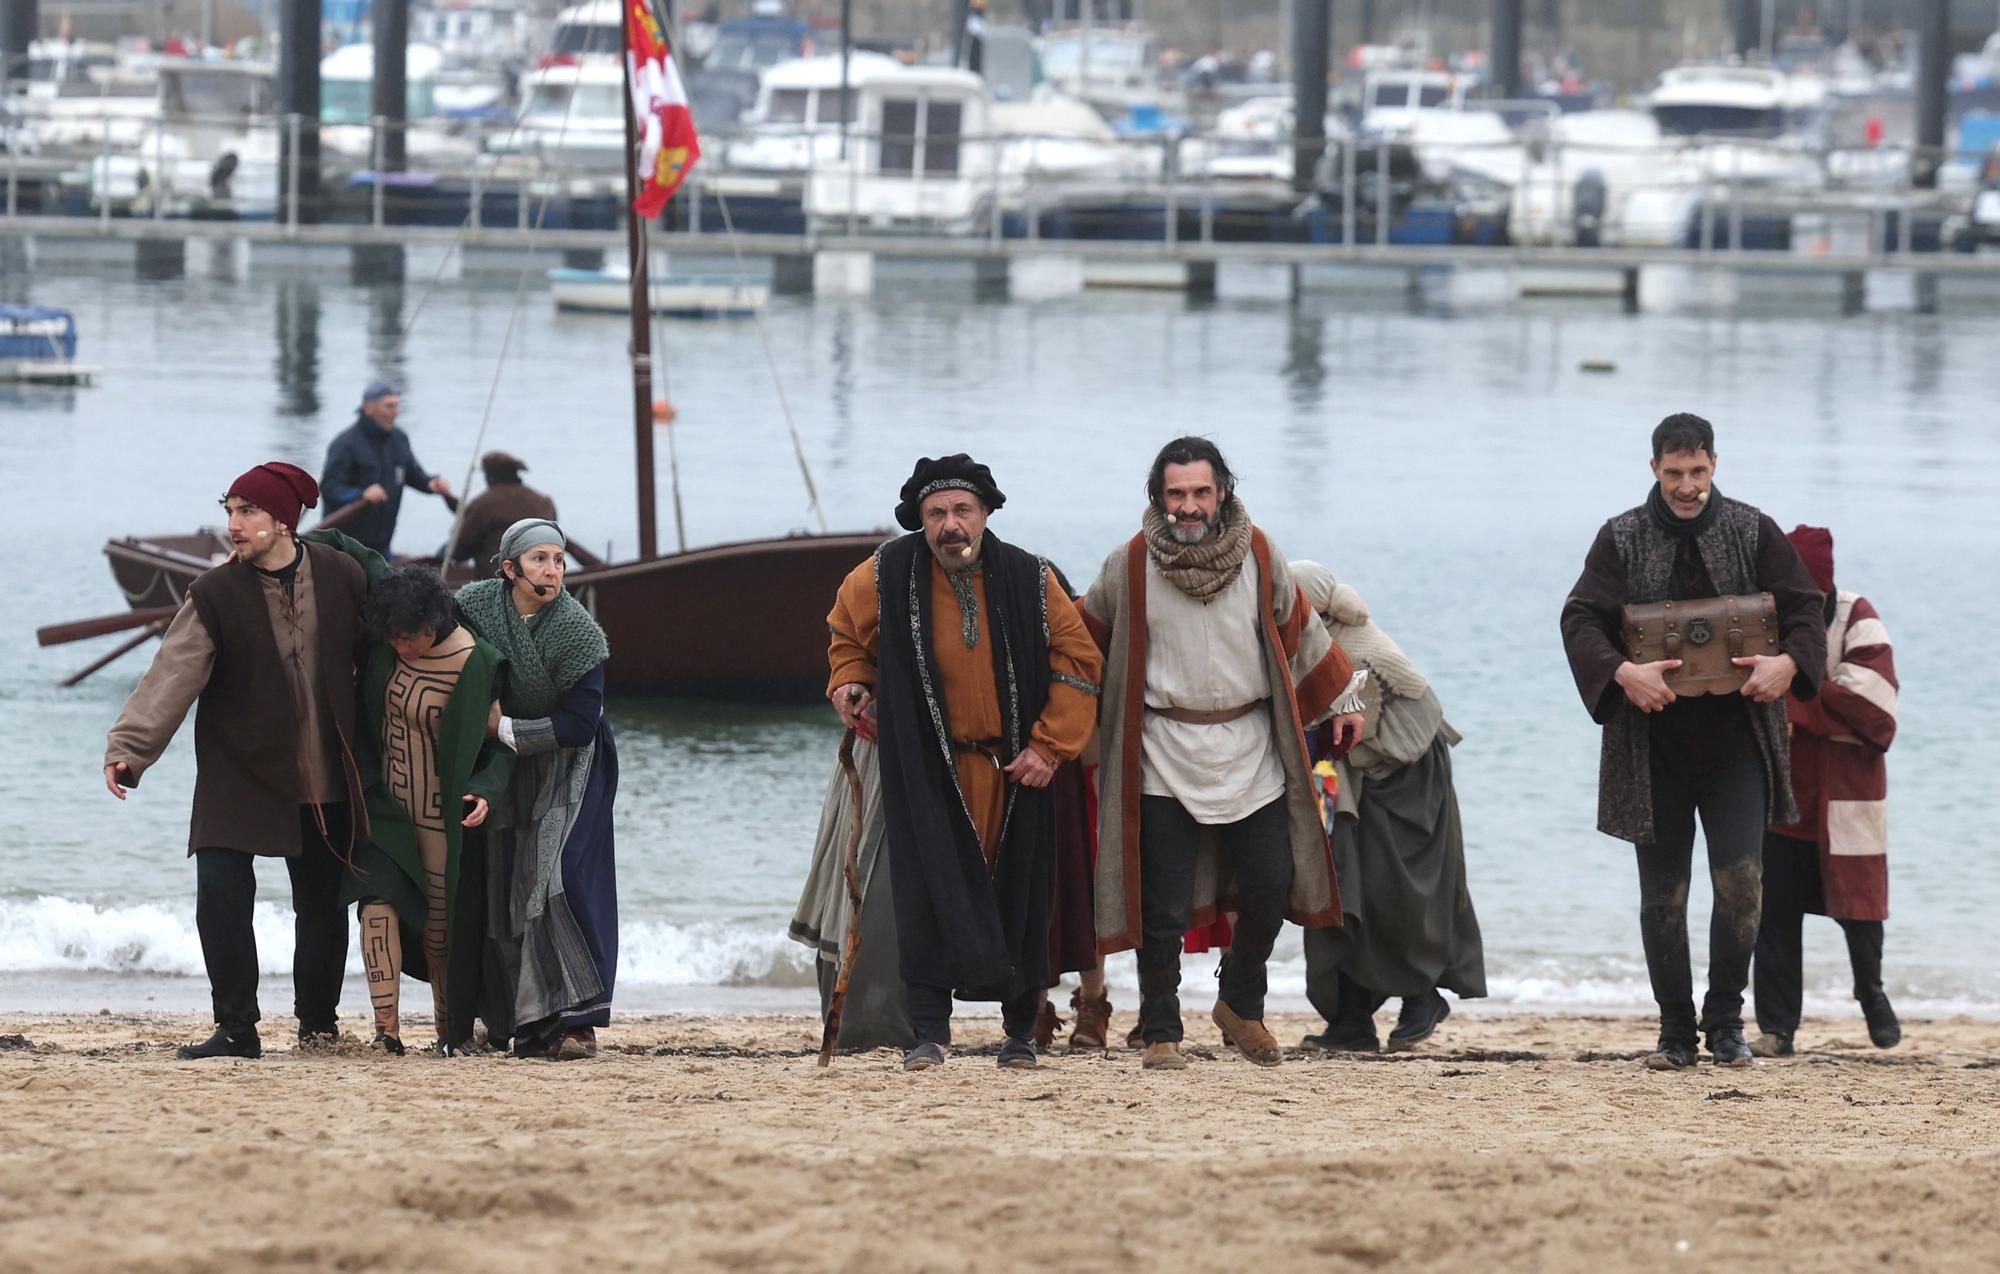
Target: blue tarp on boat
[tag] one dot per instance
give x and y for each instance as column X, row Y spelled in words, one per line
column 36, row 332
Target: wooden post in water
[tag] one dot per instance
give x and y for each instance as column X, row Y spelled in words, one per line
column 1506, row 51
column 19, row 21
column 642, row 315
column 1747, row 26
column 391, row 91
column 298, row 98
column 1311, row 31
column 1933, row 70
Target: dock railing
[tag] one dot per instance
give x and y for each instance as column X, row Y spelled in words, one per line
column 1710, row 196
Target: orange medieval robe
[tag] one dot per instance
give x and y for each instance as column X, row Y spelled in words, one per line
column 961, row 631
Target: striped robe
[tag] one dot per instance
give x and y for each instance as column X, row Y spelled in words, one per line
column 1839, row 744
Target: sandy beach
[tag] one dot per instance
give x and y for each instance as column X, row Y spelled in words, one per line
column 1534, row 1143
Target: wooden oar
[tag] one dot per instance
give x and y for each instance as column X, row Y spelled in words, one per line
column 344, row 514
column 851, row 873
column 348, row 512
column 153, row 630
column 102, row 626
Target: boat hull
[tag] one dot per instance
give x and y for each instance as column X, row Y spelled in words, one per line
column 744, row 621
column 698, row 296
column 737, row 621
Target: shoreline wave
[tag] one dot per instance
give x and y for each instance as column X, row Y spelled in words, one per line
column 145, row 945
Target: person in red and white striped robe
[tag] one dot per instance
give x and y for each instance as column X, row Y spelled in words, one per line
column 1834, row 860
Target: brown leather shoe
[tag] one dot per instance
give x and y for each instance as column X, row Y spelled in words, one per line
column 577, row 1045
column 1163, row 1056
column 1247, row 1037
column 1092, row 1031
column 1047, row 1026
column 1136, row 1037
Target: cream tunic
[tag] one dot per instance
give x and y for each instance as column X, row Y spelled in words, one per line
column 1207, row 657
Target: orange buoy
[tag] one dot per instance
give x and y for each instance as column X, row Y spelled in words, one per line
column 664, row 412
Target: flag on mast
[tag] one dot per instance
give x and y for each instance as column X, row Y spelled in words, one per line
column 668, row 147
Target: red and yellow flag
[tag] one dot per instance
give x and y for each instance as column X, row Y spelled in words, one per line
column 668, row 147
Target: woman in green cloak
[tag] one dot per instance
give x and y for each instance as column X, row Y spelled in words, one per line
column 430, row 690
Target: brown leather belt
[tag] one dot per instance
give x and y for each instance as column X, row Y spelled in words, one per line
column 988, row 748
column 1207, row 716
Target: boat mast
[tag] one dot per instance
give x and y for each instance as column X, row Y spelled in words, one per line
column 642, row 309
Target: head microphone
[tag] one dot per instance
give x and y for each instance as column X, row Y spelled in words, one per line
column 541, row 590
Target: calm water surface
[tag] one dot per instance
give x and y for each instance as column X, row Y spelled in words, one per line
column 1453, row 467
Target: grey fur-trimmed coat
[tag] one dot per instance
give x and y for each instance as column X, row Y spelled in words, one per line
column 1632, row 562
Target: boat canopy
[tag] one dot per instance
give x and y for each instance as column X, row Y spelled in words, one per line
column 36, row 333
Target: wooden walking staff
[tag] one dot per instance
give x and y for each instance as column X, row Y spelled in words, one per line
column 851, row 873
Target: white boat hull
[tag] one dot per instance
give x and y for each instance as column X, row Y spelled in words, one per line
column 696, row 296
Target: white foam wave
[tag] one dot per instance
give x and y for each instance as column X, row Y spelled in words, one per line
column 51, row 934
column 154, row 940
column 711, row 953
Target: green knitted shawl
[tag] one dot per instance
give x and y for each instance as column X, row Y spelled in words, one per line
column 544, row 658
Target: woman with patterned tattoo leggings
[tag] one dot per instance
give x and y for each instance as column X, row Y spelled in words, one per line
column 429, row 694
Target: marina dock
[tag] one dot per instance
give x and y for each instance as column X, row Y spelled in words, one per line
column 1036, row 269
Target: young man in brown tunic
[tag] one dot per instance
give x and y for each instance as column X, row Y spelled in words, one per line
column 266, row 645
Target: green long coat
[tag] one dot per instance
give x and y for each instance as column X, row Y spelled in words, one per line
column 389, row 867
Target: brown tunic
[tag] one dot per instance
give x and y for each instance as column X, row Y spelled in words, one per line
column 965, row 666
column 275, row 675
column 491, row 512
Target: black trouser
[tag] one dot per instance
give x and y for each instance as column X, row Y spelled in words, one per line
column 930, row 1013
column 1732, row 804
column 1259, row 846
column 226, row 897
column 1792, row 887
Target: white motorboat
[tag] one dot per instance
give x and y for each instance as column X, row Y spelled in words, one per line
column 572, row 121
column 675, row 296
column 932, row 150
column 1112, row 68
column 347, row 106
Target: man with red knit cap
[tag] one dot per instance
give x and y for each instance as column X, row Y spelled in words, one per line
column 266, row 646
column 1835, row 859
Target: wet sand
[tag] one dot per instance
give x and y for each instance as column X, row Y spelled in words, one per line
column 1515, row 1142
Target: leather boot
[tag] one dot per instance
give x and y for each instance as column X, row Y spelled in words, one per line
column 1164, row 1055
column 1884, row 1031
column 1418, row 1021
column 1047, row 1026
column 1092, row 1031
column 1726, row 1046
column 1247, row 1037
column 223, row 1044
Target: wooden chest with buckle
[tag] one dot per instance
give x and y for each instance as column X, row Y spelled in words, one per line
column 1705, row 635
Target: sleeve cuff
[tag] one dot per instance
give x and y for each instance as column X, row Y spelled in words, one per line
column 531, row 737
column 1350, row 698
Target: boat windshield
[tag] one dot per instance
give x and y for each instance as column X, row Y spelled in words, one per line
column 594, row 102
column 194, row 95
column 752, row 50
column 353, row 101
column 585, row 37
column 1732, row 121
column 1066, row 57
column 798, row 106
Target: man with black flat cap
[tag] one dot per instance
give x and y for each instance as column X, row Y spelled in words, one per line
column 968, row 662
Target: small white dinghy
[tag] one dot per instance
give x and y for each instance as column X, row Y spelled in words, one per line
column 38, row 347
column 676, row 296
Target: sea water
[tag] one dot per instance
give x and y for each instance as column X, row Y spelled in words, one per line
column 1453, row 466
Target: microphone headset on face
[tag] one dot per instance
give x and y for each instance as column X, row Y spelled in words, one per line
column 541, row 590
